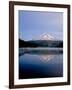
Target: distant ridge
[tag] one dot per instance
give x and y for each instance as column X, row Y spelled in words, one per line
column 40, row 43
column 44, row 40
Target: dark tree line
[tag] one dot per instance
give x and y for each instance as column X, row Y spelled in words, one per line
column 40, row 43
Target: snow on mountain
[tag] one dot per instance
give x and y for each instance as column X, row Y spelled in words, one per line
column 44, row 36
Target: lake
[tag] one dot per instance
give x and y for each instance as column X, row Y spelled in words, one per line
column 40, row 63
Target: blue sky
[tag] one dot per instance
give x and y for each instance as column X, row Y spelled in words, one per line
column 34, row 23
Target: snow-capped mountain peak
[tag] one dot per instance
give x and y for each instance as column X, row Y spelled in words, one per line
column 46, row 36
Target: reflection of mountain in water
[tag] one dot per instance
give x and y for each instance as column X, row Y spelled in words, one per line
column 45, row 47
column 46, row 58
column 40, row 58
column 45, row 54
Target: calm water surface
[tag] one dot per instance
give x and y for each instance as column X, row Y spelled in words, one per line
column 40, row 65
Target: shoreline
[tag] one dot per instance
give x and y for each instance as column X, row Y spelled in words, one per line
column 40, row 51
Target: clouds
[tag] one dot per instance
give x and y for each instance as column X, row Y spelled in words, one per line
column 34, row 23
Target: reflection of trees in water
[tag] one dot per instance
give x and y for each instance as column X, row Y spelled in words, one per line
column 43, row 54
column 46, row 58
